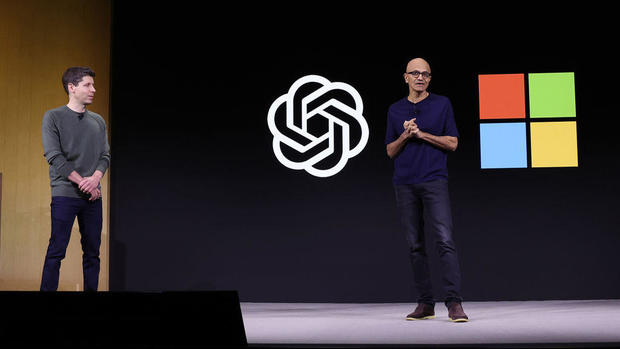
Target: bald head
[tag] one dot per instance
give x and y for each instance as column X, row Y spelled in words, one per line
column 420, row 76
column 418, row 64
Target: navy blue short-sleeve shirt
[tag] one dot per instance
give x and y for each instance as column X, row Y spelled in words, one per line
column 420, row 161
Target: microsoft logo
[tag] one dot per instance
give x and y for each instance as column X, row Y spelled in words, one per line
column 506, row 130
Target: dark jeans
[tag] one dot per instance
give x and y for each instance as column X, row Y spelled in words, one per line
column 89, row 215
column 427, row 206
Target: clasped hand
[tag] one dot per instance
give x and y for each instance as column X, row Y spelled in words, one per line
column 411, row 129
column 90, row 185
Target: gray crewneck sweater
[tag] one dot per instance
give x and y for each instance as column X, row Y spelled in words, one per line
column 74, row 141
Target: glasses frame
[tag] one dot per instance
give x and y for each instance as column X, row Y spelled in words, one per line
column 413, row 73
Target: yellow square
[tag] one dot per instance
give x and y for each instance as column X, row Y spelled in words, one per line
column 554, row 144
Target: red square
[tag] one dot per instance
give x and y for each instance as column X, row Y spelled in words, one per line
column 502, row 96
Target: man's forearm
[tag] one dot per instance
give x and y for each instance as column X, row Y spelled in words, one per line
column 98, row 174
column 395, row 147
column 444, row 142
column 75, row 177
column 448, row 143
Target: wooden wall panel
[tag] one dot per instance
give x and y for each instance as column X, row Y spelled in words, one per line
column 39, row 39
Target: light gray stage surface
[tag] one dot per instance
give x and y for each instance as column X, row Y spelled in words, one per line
column 585, row 321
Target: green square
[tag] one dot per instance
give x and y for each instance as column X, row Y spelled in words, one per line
column 552, row 95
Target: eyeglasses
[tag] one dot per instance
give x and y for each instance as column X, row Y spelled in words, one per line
column 416, row 73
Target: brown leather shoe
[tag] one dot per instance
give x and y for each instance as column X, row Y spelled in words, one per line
column 422, row 312
column 456, row 312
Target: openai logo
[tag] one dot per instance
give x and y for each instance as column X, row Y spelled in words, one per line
column 317, row 126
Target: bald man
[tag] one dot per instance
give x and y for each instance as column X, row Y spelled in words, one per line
column 421, row 131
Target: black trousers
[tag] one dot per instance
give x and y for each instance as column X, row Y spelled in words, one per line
column 426, row 206
column 64, row 212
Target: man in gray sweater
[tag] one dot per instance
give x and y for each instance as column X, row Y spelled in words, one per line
column 76, row 147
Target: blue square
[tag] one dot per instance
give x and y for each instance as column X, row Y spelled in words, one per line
column 503, row 145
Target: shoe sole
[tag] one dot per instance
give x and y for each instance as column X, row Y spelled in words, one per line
column 459, row 320
column 420, row 318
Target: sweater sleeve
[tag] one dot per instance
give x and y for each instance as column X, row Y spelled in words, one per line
column 51, row 147
column 104, row 159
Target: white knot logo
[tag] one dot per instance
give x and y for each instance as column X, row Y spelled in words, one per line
column 315, row 139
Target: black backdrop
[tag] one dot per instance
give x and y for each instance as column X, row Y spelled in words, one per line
column 199, row 201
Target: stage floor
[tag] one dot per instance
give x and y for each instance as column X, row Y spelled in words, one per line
column 491, row 323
